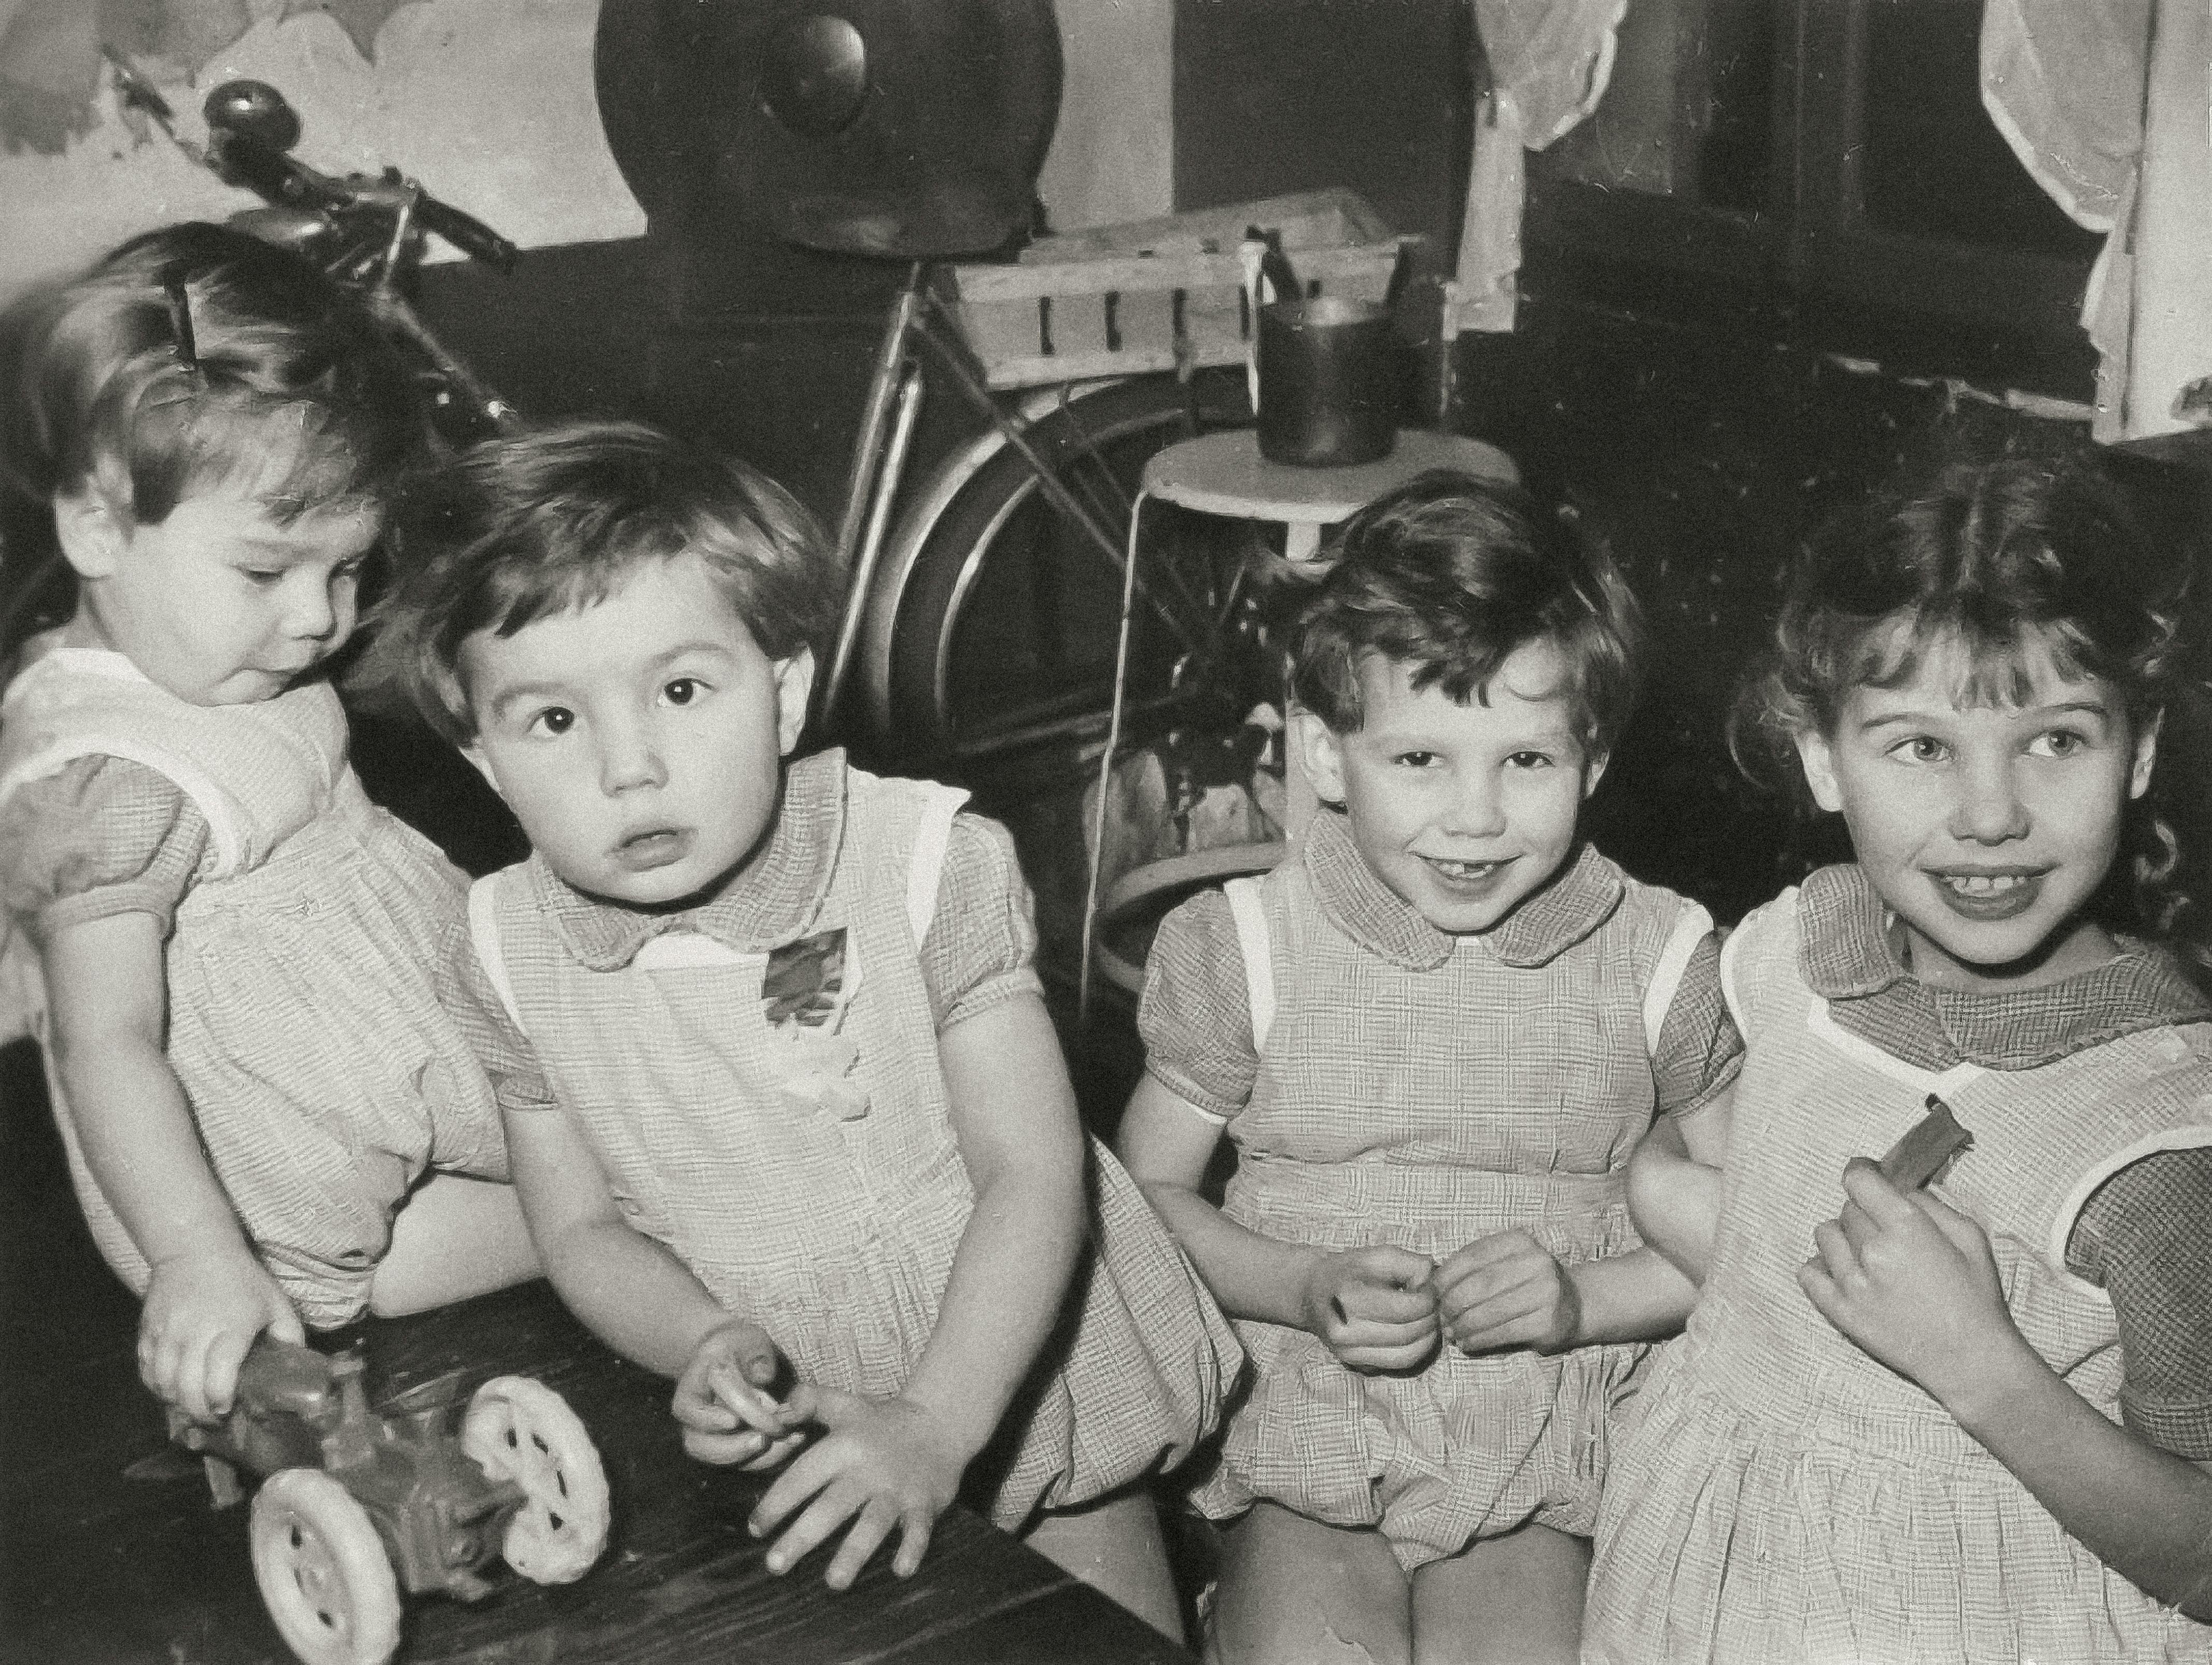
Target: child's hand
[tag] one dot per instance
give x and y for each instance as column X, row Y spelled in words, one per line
column 1374, row 1308
column 889, row 1461
column 1912, row 1282
column 1507, row 1290
column 723, row 1403
column 202, row 1311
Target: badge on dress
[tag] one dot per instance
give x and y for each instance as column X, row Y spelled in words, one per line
column 805, row 990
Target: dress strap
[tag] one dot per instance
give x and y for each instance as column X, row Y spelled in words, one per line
column 484, row 932
column 1692, row 925
column 932, row 839
column 1250, row 913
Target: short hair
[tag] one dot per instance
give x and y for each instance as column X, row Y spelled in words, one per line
column 527, row 526
column 1451, row 574
column 197, row 357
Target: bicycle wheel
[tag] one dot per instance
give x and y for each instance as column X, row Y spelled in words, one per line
column 992, row 628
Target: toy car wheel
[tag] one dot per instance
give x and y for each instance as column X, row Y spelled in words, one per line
column 322, row 1571
column 522, row 1431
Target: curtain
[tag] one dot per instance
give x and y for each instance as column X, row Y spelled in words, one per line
column 1547, row 63
column 2104, row 103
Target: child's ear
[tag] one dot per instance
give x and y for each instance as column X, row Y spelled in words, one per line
column 1594, row 772
column 1820, row 765
column 474, row 751
column 795, row 686
column 1323, row 755
column 92, row 534
column 2145, row 756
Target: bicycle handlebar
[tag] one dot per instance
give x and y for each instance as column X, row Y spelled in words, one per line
column 285, row 180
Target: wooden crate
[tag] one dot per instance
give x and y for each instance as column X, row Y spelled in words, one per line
column 1117, row 300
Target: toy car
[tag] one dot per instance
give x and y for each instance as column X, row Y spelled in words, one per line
column 359, row 1504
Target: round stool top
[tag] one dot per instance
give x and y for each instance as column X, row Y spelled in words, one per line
column 1224, row 473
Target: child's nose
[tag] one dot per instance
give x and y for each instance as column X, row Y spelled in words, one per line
column 1990, row 809
column 1477, row 808
column 629, row 760
column 310, row 614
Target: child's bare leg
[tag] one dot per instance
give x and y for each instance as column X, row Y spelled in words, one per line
column 454, row 1238
column 1517, row 1599
column 1115, row 1548
column 1295, row 1592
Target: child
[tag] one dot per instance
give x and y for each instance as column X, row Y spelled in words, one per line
column 1434, row 1037
column 227, row 950
column 1967, row 1427
column 780, row 1086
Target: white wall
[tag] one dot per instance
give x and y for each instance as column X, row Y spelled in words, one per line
column 1113, row 155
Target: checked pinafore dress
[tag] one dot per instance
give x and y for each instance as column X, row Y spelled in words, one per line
column 1778, row 1493
column 1423, row 1090
column 786, row 1134
column 323, row 1076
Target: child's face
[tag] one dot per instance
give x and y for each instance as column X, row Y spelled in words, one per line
column 1464, row 811
column 218, row 603
column 1986, row 828
column 639, row 740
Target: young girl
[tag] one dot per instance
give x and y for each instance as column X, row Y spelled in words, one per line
column 1967, row 1427
column 780, row 1089
column 227, row 948
column 1434, row 1037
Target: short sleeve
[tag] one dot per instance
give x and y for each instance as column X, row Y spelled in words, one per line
column 101, row 835
column 2145, row 1235
column 464, row 990
column 980, row 946
column 1700, row 1051
column 1194, row 1015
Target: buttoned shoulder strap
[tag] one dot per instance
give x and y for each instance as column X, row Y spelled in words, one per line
column 483, row 933
column 1249, row 912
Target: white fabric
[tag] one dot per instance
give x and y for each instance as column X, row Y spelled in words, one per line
column 933, row 839
column 2104, row 103
column 483, row 933
column 1692, row 928
column 1549, row 62
column 1250, row 915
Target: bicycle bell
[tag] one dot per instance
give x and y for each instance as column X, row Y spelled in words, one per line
column 253, row 110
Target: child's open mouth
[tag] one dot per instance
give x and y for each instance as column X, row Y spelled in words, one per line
column 1988, row 895
column 1466, row 872
column 659, row 846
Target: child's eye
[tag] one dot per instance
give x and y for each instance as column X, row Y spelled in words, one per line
column 262, row 575
column 2057, row 743
column 683, row 691
column 1921, row 749
column 553, row 720
column 1530, row 759
column 1415, row 759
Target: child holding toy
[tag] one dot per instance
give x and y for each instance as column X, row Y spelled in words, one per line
column 1972, row 1424
column 225, row 950
column 786, row 1109
column 1434, row 1037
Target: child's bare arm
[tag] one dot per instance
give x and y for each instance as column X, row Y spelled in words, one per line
column 1913, row 1282
column 898, row 1463
column 635, row 1296
column 1674, row 1184
column 209, row 1296
column 1372, row 1306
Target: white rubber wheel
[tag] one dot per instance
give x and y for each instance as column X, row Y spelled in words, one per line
column 521, row 1429
column 322, row 1571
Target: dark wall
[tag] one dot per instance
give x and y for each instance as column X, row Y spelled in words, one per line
column 1279, row 95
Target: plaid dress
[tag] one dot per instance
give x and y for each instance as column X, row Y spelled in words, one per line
column 323, row 1076
column 1779, row 1494
column 772, row 1109
column 1422, row 1091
